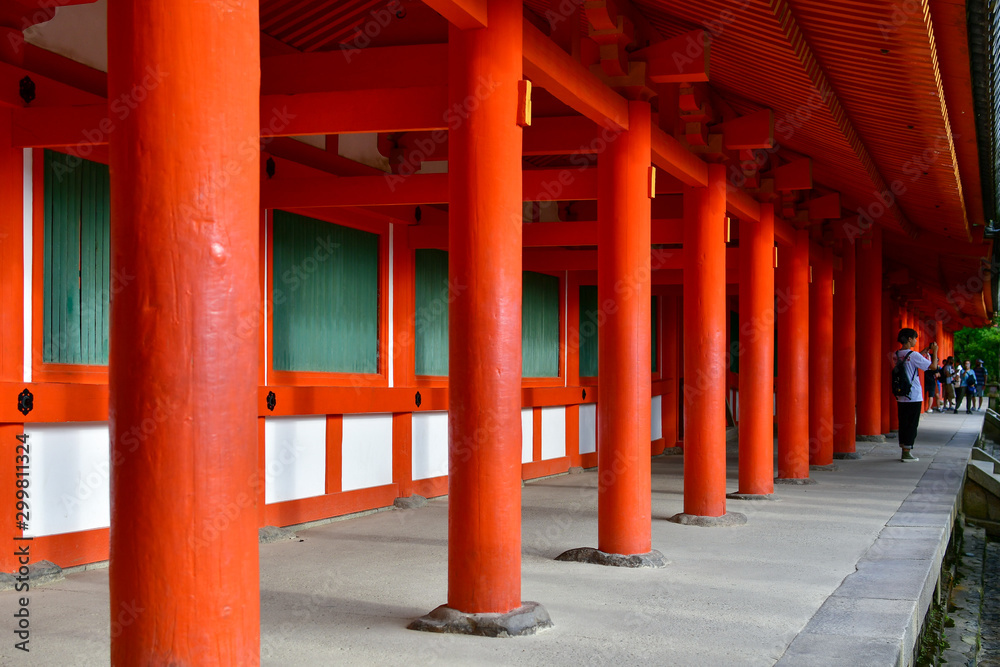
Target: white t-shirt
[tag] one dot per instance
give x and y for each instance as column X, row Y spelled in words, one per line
column 915, row 363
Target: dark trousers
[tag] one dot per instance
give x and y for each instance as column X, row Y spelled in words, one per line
column 970, row 397
column 909, row 417
column 959, row 395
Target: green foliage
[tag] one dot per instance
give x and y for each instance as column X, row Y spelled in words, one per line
column 982, row 344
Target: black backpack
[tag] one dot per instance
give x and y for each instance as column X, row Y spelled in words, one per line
column 901, row 384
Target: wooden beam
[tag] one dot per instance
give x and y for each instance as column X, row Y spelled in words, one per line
column 681, row 59
column 742, row 204
column 561, row 135
column 417, row 66
column 784, row 233
column 671, row 157
column 826, row 207
column 337, row 112
column 322, row 192
column 748, row 132
column 464, row 14
column 539, row 259
column 556, row 71
column 548, row 234
column 347, row 112
column 394, row 189
column 796, row 175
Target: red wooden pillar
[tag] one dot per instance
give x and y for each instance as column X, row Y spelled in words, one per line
column 756, row 377
column 821, row 361
column 705, row 346
column 897, row 324
column 793, row 360
column 11, row 322
column 869, row 338
column 845, row 388
column 185, row 213
column 484, row 243
column 885, row 368
column 670, row 371
column 624, row 503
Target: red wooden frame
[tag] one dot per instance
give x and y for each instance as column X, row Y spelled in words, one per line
column 310, row 378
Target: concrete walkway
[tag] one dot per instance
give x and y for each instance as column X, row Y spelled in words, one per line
column 803, row 582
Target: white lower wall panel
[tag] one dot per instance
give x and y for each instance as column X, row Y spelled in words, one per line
column 294, row 458
column 553, row 432
column 588, row 428
column 527, row 434
column 69, row 478
column 430, row 444
column 656, row 418
column 367, row 451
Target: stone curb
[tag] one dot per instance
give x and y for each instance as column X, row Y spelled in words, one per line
column 876, row 614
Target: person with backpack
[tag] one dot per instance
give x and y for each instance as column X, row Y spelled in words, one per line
column 907, row 364
column 947, row 387
column 969, row 384
column 980, row 371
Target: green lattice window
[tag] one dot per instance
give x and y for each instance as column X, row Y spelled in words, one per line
column 77, row 261
column 539, row 325
column 326, row 296
column 431, row 314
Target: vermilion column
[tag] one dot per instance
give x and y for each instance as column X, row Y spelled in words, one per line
column 484, row 372
column 885, row 369
column 793, row 359
column 184, row 227
column 623, row 379
column 756, row 381
column 897, row 324
column 869, row 336
column 845, row 388
column 821, row 361
column 705, row 346
column 671, row 373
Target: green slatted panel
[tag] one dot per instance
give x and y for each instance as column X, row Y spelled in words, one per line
column 77, row 273
column 539, row 325
column 431, row 324
column 653, row 343
column 325, row 296
column 588, row 330
column 734, row 341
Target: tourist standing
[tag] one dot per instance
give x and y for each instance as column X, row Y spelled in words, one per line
column 908, row 405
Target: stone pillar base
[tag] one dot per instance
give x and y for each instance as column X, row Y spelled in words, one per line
column 892, row 435
column 870, row 438
column 528, row 619
column 725, row 521
column 751, row 496
column 827, row 468
column 653, row 559
column 799, row 481
column 847, row 455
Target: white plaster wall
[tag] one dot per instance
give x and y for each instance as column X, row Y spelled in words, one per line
column 553, row 432
column 366, row 451
column 656, row 418
column 79, row 32
column 28, row 220
column 294, row 458
column 588, row 428
column 527, row 434
column 430, row 444
column 70, row 478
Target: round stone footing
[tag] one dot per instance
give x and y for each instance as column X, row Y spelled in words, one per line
column 798, row 481
column 751, row 496
column 725, row 521
column 870, row 438
column 590, row 555
column 847, row 455
column 892, row 435
column 829, row 468
column 410, row 502
column 528, row 619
